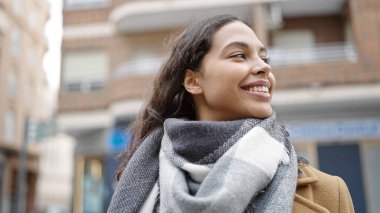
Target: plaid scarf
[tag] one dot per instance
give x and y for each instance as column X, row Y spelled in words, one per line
column 202, row 166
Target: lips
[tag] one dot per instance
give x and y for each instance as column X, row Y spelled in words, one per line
column 258, row 89
column 261, row 86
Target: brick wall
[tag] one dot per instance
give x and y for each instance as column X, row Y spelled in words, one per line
column 366, row 27
column 133, row 87
column 86, row 16
column 365, row 21
column 329, row 74
column 119, row 48
column 325, row 29
column 76, row 101
column 91, row 15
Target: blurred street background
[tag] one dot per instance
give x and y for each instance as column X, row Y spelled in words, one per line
column 74, row 73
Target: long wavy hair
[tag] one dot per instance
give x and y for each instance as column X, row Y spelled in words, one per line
column 168, row 97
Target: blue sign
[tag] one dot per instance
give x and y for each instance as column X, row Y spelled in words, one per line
column 335, row 130
column 119, row 139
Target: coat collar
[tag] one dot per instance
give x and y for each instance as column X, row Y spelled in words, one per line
column 306, row 176
column 303, row 204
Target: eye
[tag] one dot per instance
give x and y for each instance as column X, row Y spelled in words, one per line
column 238, row 55
column 266, row 60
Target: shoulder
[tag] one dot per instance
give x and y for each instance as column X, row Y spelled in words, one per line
column 326, row 191
column 322, row 178
column 326, row 181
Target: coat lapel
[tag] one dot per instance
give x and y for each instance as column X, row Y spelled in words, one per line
column 303, row 200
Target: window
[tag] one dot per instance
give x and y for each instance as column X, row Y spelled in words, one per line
column 31, row 55
column 15, row 42
column 29, row 92
column 343, row 160
column 371, row 157
column 33, row 19
column 145, row 60
column 9, row 126
column 348, row 33
column 84, row 70
column 16, row 6
column 93, row 186
column 294, row 38
column 12, row 84
column 294, row 47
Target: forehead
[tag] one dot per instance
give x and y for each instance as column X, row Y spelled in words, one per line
column 235, row 31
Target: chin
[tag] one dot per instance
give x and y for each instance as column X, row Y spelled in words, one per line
column 264, row 113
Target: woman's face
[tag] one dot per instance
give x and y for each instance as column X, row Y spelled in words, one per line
column 235, row 80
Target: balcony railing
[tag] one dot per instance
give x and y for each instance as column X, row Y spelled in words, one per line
column 322, row 53
column 142, row 66
column 85, row 4
column 83, row 86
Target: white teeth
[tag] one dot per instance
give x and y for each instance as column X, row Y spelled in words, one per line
column 259, row 89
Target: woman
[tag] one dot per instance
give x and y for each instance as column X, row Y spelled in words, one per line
column 207, row 140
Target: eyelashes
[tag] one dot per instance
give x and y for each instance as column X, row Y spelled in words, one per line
column 242, row 56
column 266, row 60
column 239, row 55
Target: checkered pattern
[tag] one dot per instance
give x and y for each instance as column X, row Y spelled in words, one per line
column 242, row 159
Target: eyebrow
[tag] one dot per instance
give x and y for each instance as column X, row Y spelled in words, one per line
column 245, row 46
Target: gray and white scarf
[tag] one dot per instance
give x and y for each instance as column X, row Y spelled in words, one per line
column 203, row 166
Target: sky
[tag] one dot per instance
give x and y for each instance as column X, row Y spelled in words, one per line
column 53, row 32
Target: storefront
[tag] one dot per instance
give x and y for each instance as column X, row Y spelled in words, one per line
column 346, row 148
column 95, row 165
column 9, row 168
column 337, row 130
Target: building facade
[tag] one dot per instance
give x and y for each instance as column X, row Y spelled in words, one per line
column 22, row 81
column 324, row 55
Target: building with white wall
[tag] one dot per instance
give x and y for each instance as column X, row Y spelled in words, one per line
column 22, row 81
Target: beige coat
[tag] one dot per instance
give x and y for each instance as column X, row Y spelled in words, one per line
column 320, row 192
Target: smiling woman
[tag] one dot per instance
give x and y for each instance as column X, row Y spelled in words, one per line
column 234, row 80
column 207, row 139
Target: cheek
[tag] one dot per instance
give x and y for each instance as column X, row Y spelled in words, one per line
column 272, row 79
column 222, row 79
column 219, row 89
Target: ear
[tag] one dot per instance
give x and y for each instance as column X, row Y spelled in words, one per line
column 191, row 82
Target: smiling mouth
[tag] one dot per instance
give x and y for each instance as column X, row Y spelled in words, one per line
column 262, row 89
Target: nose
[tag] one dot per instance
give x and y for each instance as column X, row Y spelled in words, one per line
column 260, row 67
